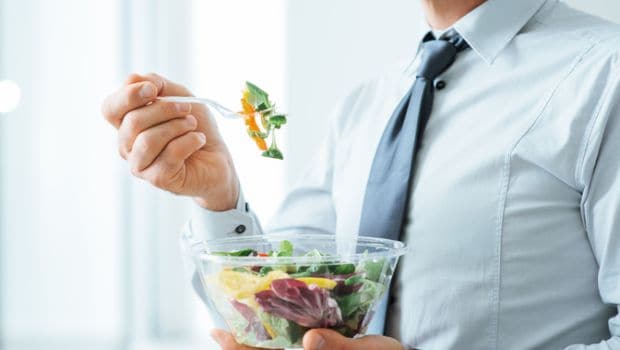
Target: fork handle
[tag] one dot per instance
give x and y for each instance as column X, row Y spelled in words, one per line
column 191, row 99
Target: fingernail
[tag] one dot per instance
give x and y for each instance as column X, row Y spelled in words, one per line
column 160, row 84
column 147, row 91
column 184, row 107
column 319, row 341
column 191, row 121
column 202, row 137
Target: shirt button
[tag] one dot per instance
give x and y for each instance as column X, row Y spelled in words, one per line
column 440, row 84
column 240, row 229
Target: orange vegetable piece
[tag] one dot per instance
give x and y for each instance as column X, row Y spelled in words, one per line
column 248, row 109
column 262, row 145
column 249, row 112
column 250, row 121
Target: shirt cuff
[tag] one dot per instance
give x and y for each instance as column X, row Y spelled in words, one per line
column 207, row 224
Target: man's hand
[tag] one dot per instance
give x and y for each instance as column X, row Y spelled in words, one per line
column 174, row 146
column 326, row 339
column 227, row 341
column 320, row 339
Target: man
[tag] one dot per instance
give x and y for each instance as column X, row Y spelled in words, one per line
column 493, row 154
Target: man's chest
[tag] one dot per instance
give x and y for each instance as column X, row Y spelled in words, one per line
column 491, row 125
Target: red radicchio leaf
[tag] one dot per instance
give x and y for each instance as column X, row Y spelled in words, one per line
column 255, row 325
column 308, row 306
column 342, row 289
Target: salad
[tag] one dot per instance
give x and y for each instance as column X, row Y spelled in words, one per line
column 261, row 119
column 274, row 305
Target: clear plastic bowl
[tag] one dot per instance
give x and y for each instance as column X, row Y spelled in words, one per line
column 270, row 302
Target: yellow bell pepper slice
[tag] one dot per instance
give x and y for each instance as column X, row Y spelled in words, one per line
column 265, row 282
column 320, row 282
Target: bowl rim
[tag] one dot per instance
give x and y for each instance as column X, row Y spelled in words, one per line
column 395, row 249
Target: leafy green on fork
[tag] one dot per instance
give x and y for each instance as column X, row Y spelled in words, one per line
column 255, row 101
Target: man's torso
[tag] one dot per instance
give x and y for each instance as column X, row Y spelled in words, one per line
column 499, row 252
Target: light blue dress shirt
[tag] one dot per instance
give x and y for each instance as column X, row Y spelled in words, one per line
column 514, row 221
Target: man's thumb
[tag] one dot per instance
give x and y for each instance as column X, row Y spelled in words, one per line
column 326, row 339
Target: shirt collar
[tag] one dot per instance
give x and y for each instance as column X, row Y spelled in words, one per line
column 487, row 29
column 491, row 26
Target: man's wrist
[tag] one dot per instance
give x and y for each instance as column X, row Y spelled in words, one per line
column 225, row 201
column 217, row 205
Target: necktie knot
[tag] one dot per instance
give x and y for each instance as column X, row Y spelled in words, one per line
column 439, row 54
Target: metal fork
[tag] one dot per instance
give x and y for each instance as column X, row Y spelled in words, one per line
column 223, row 111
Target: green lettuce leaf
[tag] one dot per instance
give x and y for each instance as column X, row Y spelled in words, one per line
column 273, row 153
column 258, row 97
column 373, row 268
column 277, row 120
column 288, row 334
column 361, row 301
column 242, row 252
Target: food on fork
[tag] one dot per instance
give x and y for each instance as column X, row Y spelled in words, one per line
column 261, row 119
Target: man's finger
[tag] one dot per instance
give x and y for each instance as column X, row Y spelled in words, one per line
column 165, row 87
column 136, row 78
column 168, row 166
column 179, row 149
column 141, row 119
column 131, row 96
column 325, row 339
column 126, row 99
column 227, row 341
column 152, row 141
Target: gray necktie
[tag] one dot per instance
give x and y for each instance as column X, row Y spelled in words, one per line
column 387, row 191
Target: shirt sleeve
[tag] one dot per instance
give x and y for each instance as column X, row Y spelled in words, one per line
column 601, row 205
column 207, row 224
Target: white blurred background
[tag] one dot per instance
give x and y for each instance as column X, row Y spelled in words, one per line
column 88, row 255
